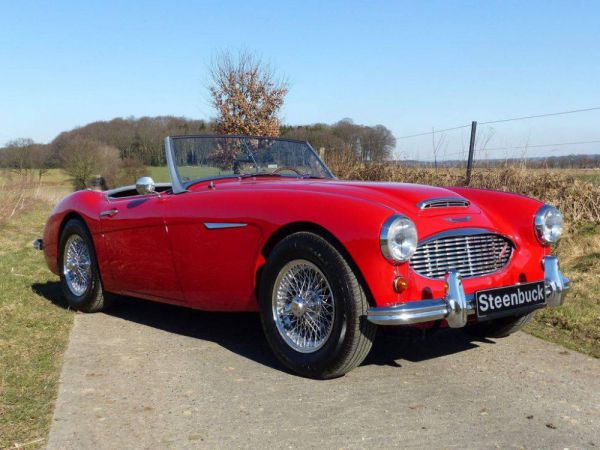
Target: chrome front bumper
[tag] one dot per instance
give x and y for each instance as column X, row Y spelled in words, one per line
column 456, row 306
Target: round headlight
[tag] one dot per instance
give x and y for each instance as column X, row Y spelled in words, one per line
column 398, row 238
column 548, row 224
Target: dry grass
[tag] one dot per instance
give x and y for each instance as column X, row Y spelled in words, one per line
column 579, row 200
column 576, row 324
column 33, row 329
column 15, row 193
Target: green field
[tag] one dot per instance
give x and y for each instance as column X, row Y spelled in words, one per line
column 161, row 174
column 589, row 175
column 36, row 322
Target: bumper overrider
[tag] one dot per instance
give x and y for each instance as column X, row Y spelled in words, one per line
column 456, row 306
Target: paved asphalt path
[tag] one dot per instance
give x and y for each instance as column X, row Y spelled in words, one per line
column 155, row 376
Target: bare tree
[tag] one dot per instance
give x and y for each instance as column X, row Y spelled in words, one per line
column 85, row 159
column 436, row 146
column 129, row 171
column 19, row 156
column 482, row 139
column 377, row 143
column 40, row 159
column 347, row 140
column 140, row 138
column 247, row 94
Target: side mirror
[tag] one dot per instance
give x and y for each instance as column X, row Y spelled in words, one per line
column 145, row 185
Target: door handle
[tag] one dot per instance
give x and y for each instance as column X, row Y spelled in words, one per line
column 109, row 213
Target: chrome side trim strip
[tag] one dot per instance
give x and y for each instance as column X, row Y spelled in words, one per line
column 222, row 225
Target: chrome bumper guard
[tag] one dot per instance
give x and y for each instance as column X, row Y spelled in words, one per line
column 38, row 244
column 456, row 306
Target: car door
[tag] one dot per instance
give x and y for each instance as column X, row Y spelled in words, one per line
column 214, row 249
column 141, row 262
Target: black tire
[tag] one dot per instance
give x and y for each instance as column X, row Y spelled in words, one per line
column 351, row 336
column 94, row 298
column 499, row 328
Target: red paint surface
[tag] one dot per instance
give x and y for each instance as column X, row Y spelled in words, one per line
column 157, row 247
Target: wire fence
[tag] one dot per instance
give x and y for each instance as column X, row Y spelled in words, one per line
column 553, row 139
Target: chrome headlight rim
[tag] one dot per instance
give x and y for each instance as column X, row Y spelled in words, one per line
column 541, row 226
column 389, row 251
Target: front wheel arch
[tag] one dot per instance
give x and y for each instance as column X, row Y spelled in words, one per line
column 66, row 219
column 311, row 227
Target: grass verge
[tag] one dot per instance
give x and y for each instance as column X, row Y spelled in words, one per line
column 34, row 330
column 576, row 324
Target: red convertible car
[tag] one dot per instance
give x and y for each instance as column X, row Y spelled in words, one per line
column 261, row 224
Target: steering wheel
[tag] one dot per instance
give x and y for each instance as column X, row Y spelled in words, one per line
column 292, row 169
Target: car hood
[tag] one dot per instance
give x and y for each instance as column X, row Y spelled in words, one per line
column 402, row 197
column 484, row 208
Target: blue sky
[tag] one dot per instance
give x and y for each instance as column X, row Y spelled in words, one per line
column 408, row 65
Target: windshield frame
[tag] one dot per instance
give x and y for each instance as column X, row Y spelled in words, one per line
column 180, row 187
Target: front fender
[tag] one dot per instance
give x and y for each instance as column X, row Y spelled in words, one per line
column 84, row 204
column 354, row 223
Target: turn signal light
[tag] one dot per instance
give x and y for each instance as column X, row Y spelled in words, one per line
column 400, row 284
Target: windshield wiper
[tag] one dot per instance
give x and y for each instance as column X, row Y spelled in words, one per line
column 307, row 176
column 259, row 174
column 304, row 176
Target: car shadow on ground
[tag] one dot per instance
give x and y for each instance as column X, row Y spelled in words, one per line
column 51, row 291
column 242, row 334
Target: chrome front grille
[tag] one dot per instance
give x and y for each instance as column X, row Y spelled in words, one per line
column 472, row 255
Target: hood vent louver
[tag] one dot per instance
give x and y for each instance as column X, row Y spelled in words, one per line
column 446, row 202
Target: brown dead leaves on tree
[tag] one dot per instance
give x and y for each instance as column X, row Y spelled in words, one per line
column 247, row 95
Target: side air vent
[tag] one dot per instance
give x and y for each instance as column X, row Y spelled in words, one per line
column 448, row 202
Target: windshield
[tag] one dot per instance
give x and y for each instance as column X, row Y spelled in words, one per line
column 202, row 157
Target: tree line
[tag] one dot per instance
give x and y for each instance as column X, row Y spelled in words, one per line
column 119, row 149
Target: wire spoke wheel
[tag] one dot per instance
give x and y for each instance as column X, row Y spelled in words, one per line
column 303, row 306
column 312, row 308
column 77, row 265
